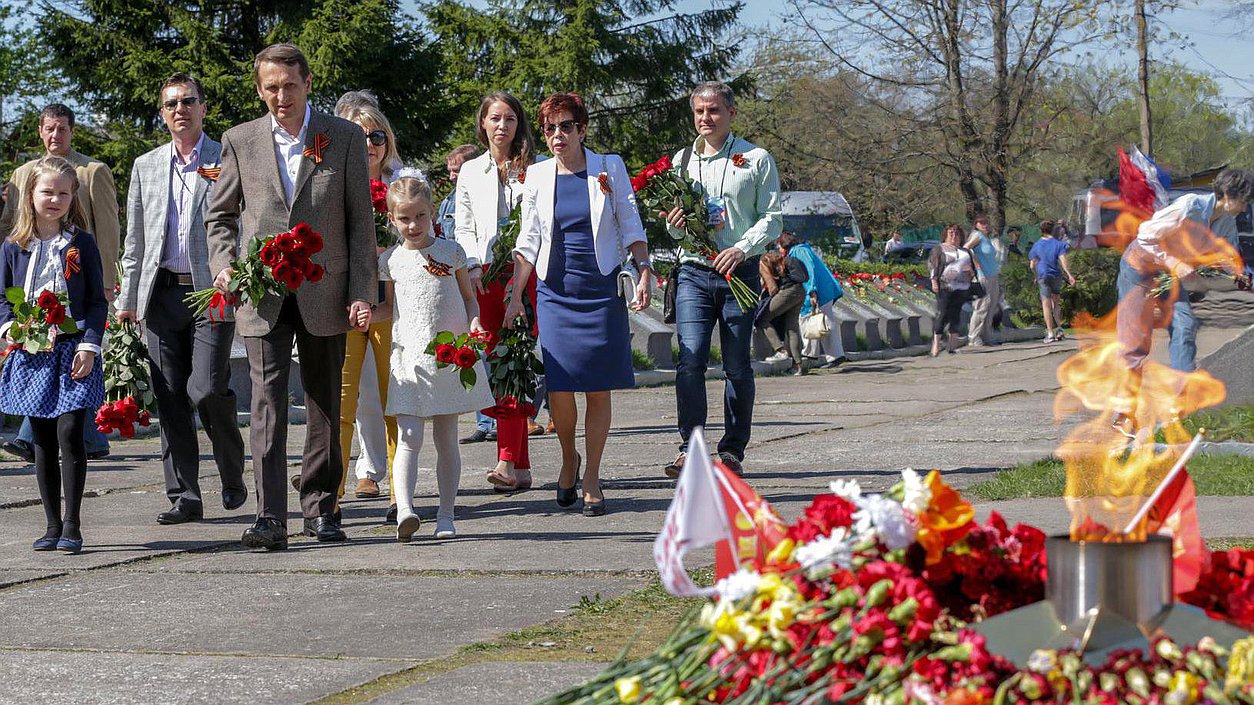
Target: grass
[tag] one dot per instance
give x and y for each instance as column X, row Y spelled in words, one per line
column 596, row 629
column 716, row 354
column 1225, row 544
column 1215, row 475
column 1227, row 423
column 641, row 361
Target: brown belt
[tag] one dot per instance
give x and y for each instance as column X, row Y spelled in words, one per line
column 167, row 278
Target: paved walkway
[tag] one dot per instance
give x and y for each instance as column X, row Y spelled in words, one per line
column 181, row 614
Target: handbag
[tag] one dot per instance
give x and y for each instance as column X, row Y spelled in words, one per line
column 814, row 326
column 975, row 290
column 628, row 273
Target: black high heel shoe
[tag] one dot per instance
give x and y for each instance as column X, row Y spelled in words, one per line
column 566, row 496
column 595, row 509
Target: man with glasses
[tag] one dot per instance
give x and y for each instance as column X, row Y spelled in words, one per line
column 99, row 200
column 166, row 257
column 741, row 187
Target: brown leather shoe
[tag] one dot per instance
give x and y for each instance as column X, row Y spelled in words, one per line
column 534, row 429
column 549, row 427
column 367, row 488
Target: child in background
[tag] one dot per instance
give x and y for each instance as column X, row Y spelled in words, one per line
column 428, row 290
column 50, row 251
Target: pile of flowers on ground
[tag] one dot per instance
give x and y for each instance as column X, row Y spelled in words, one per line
column 892, row 288
column 460, row 351
column 274, row 265
column 128, row 386
column 869, row 599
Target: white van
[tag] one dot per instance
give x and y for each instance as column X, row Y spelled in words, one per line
column 825, row 220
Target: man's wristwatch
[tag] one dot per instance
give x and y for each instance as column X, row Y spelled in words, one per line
column 646, row 263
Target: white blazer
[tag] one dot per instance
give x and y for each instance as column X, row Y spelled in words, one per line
column 476, row 216
column 610, row 239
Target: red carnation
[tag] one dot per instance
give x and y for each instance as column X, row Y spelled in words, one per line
column 287, row 275
column 665, row 162
column 445, row 353
column 311, row 244
column 48, row 300
column 287, row 243
column 55, row 315
column 314, row 273
column 466, row 357
column 379, row 195
column 302, row 230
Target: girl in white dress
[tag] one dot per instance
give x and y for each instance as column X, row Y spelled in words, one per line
column 427, row 289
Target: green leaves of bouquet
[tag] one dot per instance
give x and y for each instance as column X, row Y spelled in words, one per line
column 460, row 351
column 37, row 322
column 503, row 249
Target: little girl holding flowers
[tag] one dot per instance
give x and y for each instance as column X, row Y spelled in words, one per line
column 49, row 255
column 428, row 291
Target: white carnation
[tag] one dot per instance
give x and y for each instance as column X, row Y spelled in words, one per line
column 917, row 494
column 885, row 519
column 847, row 489
column 825, row 552
column 738, row 585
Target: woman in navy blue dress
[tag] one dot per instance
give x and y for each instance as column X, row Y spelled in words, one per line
column 579, row 222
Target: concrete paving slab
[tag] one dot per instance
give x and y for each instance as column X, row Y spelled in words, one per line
column 105, row 678
column 510, row 683
column 287, row 614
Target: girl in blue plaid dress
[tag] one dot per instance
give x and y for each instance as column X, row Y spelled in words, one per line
column 49, row 250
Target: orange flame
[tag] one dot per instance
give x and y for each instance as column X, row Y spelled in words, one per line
column 1109, row 478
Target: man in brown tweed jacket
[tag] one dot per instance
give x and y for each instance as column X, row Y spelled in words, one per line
column 296, row 165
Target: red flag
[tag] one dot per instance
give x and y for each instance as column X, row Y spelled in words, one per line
column 755, row 526
column 1134, row 189
column 1174, row 514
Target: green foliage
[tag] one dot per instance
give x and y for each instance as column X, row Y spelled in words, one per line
column 1095, row 291
column 641, row 361
column 1215, row 475
column 845, row 267
column 635, row 76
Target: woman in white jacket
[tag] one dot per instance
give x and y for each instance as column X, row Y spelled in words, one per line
column 579, row 220
column 488, row 188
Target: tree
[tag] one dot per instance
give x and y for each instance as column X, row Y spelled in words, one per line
column 634, row 75
column 968, row 69
column 25, row 75
column 115, row 53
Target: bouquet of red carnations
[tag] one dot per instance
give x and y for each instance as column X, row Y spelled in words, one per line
column 274, row 265
column 383, row 234
column 460, row 351
column 660, row 188
column 37, row 322
column 1208, row 277
column 128, row 386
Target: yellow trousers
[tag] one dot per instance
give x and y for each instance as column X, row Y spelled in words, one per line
column 379, row 337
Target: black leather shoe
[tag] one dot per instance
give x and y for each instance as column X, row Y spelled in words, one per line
column 234, row 499
column 181, row 513
column 732, row 463
column 324, row 528
column 269, row 534
column 20, row 448
column 390, row 517
column 97, row 454
column 477, row 436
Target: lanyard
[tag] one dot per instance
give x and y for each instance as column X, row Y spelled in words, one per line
column 731, row 140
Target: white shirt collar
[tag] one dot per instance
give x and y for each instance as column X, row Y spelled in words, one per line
column 281, row 133
column 195, row 158
column 58, row 241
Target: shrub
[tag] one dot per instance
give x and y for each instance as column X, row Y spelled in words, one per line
column 641, row 361
column 1094, row 291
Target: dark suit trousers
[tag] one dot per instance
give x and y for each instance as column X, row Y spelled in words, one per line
column 190, row 358
column 321, row 362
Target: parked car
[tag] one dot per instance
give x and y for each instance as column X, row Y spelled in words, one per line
column 825, row 219
column 910, row 252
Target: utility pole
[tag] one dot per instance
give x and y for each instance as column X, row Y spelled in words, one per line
column 1143, row 102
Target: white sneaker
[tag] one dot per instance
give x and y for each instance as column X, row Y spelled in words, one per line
column 779, row 357
column 1049, row 336
column 407, row 527
column 444, row 529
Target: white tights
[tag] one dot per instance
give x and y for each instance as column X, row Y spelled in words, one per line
column 448, row 464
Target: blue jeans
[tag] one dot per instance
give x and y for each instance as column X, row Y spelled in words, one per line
column 95, row 440
column 702, row 298
column 1135, row 325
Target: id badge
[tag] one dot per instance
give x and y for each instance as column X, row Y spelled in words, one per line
column 717, row 212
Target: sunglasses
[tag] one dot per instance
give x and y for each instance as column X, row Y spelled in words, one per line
column 172, row 105
column 551, row 128
column 378, row 138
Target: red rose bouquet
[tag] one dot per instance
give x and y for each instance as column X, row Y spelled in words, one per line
column 383, row 234
column 460, row 351
column 37, row 322
column 128, row 386
column 274, row 265
column 660, row 188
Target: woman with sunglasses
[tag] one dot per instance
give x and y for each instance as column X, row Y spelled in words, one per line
column 488, row 188
column 579, row 221
column 364, row 397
